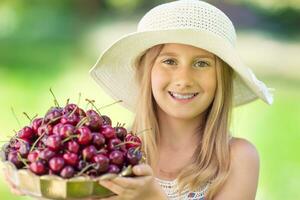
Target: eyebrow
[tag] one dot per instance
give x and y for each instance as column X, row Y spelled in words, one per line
column 197, row 56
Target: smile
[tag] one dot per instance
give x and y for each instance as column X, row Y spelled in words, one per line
column 183, row 97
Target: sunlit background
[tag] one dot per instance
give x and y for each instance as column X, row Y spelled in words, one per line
column 53, row 43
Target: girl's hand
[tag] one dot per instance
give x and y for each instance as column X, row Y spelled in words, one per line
column 143, row 186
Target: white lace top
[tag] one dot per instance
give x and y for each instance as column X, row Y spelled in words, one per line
column 171, row 189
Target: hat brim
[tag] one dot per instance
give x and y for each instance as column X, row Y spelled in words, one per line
column 114, row 71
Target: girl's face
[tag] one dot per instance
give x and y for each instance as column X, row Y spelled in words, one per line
column 183, row 80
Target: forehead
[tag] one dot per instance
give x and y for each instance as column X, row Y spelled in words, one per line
column 184, row 48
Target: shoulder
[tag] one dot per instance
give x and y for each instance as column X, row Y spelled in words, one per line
column 244, row 171
column 243, row 150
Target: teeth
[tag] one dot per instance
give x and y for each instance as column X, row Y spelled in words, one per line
column 180, row 96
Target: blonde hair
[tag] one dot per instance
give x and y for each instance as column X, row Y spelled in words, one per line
column 211, row 159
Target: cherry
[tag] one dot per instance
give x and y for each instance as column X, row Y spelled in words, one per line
column 108, row 131
column 73, row 146
column 115, row 144
column 56, row 163
column 67, row 172
column 71, row 158
column 133, row 141
column 133, row 156
column 116, row 157
column 13, row 158
column 106, row 120
column 46, row 154
column 33, row 156
column 70, row 119
column 26, row 133
column 36, row 123
column 113, row 169
column 85, row 135
column 38, row 167
column 121, row 132
column 98, row 140
column 24, row 149
column 67, row 130
column 89, row 152
column 47, row 129
column 102, row 161
column 81, row 164
column 53, row 115
column 53, row 142
column 94, row 120
column 56, row 128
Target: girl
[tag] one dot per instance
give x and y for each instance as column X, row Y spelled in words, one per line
column 181, row 75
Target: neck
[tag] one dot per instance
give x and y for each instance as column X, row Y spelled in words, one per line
column 178, row 134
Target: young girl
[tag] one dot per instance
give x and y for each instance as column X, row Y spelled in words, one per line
column 181, row 75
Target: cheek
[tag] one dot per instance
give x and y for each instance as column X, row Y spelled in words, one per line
column 209, row 82
column 158, row 79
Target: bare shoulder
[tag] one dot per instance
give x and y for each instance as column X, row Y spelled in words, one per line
column 244, row 172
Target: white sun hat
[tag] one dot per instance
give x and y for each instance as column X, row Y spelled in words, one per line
column 190, row 22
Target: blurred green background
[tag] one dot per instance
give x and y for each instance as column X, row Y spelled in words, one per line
column 54, row 43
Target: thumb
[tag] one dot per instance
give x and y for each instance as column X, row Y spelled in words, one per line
column 142, row 170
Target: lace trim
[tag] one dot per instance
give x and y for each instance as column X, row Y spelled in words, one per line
column 171, row 189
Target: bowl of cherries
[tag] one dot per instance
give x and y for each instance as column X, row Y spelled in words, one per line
column 64, row 154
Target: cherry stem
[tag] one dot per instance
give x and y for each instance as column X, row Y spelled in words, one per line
column 30, row 119
column 136, row 149
column 93, row 105
column 127, row 142
column 35, row 142
column 81, row 122
column 110, row 104
column 55, row 99
column 22, row 160
column 85, row 169
column 19, row 139
column 15, row 116
column 68, row 100
column 69, row 138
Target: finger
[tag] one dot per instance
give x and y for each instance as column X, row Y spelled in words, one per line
column 115, row 188
column 142, row 170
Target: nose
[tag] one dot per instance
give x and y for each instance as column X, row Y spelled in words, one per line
column 184, row 78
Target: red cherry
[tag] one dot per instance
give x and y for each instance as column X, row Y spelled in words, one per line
column 121, row 132
column 70, row 119
column 56, row 163
column 102, row 161
column 73, row 146
column 133, row 141
column 33, row 156
column 116, row 157
column 13, row 158
column 71, row 158
column 113, row 169
column 38, row 167
column 108, row 131
column 67, row 130
column 24, row 149
column 115, row 144
column 133, row 156
column 94, row 120
column 46, row 154
column 89, row 152
column 56, row 128
column 54, row 142
column 26, row 133
column 106, row 120
column 85, row 135
column 98, row 140
column 53, row 115
column 36, row 123
column 47, row 129
column 67, row 172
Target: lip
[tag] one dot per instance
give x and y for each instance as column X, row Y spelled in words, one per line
column 183, row 100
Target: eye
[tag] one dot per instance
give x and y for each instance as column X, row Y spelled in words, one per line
column 169, row 61
column 202, row 64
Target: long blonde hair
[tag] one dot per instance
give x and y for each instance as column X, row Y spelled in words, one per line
column 211, row 159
